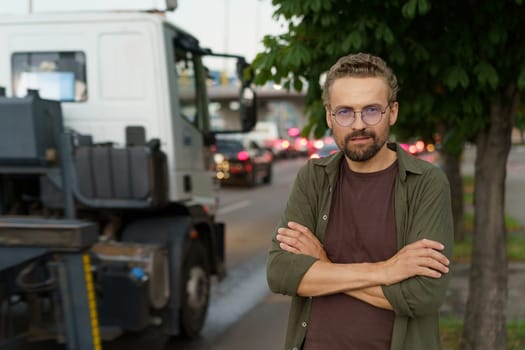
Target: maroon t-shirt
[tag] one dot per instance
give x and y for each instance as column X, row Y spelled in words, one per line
column 361, row 228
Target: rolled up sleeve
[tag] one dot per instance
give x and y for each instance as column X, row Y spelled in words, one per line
column 284, row 271
column 431, row 218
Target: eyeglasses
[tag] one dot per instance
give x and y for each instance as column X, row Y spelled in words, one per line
column 370, row 115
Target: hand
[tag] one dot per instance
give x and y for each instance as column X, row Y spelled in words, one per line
column 298, row 239
column 421, row 258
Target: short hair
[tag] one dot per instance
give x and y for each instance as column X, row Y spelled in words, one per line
column 361, row 65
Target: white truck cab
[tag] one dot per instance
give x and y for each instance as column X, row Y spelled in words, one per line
column 114, row 70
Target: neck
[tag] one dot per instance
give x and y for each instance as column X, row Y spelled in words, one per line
column 382, row 160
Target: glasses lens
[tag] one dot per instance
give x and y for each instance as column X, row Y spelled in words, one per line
column 371, row 115
column 344, row 116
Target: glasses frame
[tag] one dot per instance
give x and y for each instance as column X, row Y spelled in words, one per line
column 383, row 111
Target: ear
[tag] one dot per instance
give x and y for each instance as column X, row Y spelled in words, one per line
column 394, row 108
column 328, row 115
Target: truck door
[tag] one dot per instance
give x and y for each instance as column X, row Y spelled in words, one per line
column 190, row 125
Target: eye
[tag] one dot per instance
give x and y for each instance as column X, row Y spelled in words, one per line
column 372, row 109
column 344, row 112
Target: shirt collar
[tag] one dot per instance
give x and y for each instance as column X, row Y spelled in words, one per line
column 406, row 162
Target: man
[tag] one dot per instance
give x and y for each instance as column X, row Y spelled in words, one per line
column 363, row 246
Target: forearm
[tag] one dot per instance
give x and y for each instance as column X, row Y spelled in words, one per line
column 360, row 281
column 371, row 295
column 325, row 278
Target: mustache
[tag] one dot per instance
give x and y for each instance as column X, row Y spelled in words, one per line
column 360, row 133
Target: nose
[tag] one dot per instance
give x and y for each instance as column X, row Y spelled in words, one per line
column 358, row 121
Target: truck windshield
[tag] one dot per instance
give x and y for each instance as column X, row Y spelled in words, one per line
column 57, row 76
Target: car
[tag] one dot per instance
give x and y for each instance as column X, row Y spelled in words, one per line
column 239, row 160
column 324, row 148
column 302, row 145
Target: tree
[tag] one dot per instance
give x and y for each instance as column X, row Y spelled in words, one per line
column 461, row 68
column 520, row 124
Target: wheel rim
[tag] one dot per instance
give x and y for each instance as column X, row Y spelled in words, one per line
column 197, row 288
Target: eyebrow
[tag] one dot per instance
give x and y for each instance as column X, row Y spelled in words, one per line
column 352, row 107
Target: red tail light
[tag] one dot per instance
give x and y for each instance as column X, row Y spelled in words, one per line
column 243, row 155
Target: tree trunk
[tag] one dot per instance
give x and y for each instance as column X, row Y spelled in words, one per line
column 452, row 163
column 484, row 326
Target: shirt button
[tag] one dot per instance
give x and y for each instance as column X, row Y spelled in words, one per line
column 325, row 217
column 304, row 324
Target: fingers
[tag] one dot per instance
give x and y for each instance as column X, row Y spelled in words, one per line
column 421, row 258
column 430, row 253
column 427, row 243
column 289, row 237
column 298, row 239
column 288, row 248
column 295, row 235
column 300, row 228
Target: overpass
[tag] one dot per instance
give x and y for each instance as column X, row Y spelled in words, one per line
column 285, row 108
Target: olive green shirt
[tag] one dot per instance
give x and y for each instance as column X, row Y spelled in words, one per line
column 422, row 210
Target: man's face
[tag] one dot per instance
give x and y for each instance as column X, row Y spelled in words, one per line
column 359, row 141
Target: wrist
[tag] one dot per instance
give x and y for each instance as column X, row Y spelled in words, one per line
column 378, row 273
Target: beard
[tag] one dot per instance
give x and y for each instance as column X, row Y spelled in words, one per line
column 365, row 152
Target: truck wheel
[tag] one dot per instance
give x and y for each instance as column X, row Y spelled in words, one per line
column 195, row 291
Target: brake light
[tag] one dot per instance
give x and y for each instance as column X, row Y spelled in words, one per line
column 243, row 155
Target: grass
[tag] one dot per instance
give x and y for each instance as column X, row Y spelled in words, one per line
column 515, row 238
column 515, row 248
column 511, row 223
column 451, row 329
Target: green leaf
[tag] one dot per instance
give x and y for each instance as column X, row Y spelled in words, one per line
column 424, row 6
column 409, row 9
column 353, row 41
column 421, row 7
column 297, row 84
column 486, row 74
column 456, row 76
column 521, row 79
column 382, row 31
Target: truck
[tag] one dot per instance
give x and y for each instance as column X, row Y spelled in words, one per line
column 108, row 202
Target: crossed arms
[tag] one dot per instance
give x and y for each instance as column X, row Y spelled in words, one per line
column 364, row 280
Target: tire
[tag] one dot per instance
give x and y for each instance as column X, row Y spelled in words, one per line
column 251, row 178
column 195, row 289
column 268, row 178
